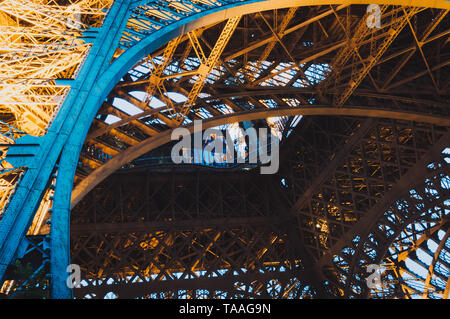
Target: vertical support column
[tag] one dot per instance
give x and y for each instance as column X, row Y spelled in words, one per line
column 60, row 231
column 60, row 235
column 73, row 114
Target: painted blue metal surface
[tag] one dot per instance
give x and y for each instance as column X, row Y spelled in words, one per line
column 73, row 113
column 60, row 241
column 66, row 135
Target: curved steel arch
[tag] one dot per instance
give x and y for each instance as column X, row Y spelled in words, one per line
column 120, row 66
column 153, row 142
column 151, row 43
column 91, row 86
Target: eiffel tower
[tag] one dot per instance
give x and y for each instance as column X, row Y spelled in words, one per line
column 356, row 94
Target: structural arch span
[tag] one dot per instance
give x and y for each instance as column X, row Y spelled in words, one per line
column 119, row 41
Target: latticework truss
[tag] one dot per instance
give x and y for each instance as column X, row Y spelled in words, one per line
column 89, row 88
column 41, row 42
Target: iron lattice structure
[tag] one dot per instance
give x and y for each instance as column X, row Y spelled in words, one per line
column 91, row 91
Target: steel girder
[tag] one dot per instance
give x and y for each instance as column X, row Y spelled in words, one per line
column 233, row 95
column 90, row 86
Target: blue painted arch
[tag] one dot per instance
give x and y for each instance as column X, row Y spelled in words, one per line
column 114, row 72
column 91, row 99
column 157, row 39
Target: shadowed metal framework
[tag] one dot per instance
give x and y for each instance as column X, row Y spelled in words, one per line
column 164, row 233
column 362, row 115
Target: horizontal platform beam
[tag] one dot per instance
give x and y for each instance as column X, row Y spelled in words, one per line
column 79, row 229
column 155, row 141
